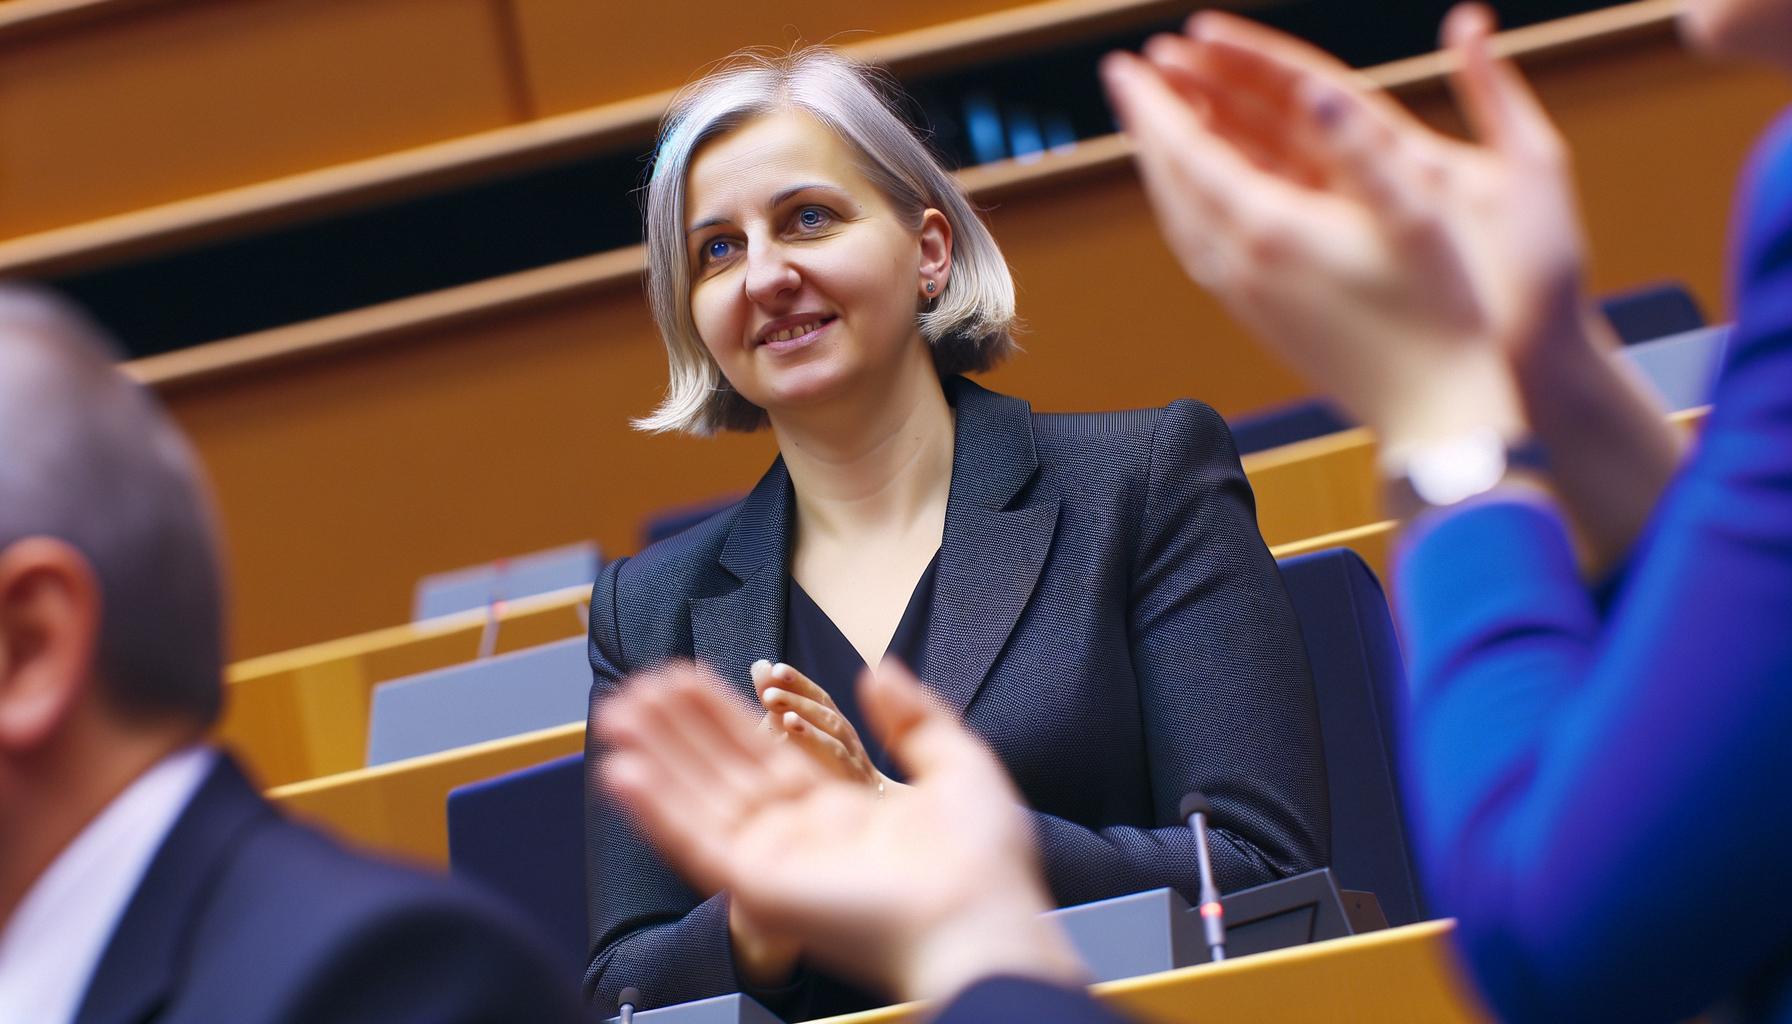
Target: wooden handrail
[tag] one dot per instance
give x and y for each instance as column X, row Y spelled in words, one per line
column 269, row 204
column 316, row 193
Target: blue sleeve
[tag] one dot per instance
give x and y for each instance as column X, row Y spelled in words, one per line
column 1225, row 690
column 1600, row 798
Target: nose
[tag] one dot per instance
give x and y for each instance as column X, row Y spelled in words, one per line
column 770, row 273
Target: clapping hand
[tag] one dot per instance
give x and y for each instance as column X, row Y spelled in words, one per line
column 796, row 707
column 1398, row 268
column 919, row 892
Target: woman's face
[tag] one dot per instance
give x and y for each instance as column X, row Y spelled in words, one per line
column 1754, row 29
column 804, row 281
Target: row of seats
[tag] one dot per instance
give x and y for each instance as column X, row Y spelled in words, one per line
column 349, row 712
column 399, row 807
column 546, row 685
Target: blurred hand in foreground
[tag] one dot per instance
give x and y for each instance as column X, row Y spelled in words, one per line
column 919, row 892
column 1392, row 265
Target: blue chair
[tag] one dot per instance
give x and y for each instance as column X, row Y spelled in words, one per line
column 1653, row 311
column 535, row 688
column 521, row 836
column 668, row 522
column 476, row 586
column 1682, row 367
column 1360, row 682
column 1286, row 424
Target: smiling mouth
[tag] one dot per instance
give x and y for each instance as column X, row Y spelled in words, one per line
column 796, row 331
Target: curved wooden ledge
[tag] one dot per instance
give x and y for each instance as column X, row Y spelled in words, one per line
column 441, row 165
column 987, row 184
column 515, row 147
column 24, row 16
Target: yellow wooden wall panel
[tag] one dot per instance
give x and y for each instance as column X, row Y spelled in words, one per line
column 109, row 113
column 346, row 476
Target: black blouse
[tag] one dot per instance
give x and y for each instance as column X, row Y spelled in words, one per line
column 814, row 646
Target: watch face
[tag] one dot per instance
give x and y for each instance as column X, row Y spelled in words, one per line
column 1453, row 470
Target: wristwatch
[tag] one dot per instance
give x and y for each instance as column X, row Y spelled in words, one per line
column 1452, row 470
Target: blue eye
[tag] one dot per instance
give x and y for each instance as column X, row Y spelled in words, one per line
column 812, row 217
column 716, row 249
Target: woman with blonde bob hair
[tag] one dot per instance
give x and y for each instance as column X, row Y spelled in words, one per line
column 1087, row 592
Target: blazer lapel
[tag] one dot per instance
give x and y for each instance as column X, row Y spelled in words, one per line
column 731, row 630
column 137, row 971
column 998, row 531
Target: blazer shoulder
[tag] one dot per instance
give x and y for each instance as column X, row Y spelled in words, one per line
column 1128, row 442
column 319, row 926
column 683, row 565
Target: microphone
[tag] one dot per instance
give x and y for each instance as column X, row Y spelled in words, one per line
column 627, row 998
column 1195, row 810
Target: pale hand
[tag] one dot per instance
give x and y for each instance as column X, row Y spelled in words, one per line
column 799, row 709
column 1398, row 268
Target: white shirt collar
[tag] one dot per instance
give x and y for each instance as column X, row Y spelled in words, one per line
column 50, row 948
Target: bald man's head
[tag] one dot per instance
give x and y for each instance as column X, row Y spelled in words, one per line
column 88, row 457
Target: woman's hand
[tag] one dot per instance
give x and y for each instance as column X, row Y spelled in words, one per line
column 1394, row 266
column 802, row 711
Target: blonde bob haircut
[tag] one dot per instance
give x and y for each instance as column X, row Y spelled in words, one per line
column 967, row 325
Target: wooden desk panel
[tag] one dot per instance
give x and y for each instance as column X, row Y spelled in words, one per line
column 133, row 104
column 302, row 714
column 1395, row 976
column 401, row 809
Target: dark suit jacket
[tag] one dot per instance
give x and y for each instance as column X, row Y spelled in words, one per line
column 243, row 916
column 1106, row 616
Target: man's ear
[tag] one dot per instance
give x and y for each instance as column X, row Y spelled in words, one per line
column 49, row 630
column 936, row 253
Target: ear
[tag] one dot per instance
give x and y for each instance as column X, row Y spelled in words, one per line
column 49, row 629
column 936, row 254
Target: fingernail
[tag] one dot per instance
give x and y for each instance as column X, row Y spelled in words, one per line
column 773, row 695
column 1326, row 106
column 761, row 665
column 793, row 721
column 782, row 670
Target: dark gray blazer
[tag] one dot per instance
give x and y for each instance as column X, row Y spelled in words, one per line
column 1106, row 616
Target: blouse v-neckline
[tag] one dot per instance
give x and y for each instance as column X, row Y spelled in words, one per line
column 816, row 646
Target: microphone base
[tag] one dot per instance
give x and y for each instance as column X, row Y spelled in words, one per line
column 1154, row 931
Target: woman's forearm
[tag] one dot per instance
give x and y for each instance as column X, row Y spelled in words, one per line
column 1611, row 449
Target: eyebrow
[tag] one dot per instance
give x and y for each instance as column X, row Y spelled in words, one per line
column 779, row 199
